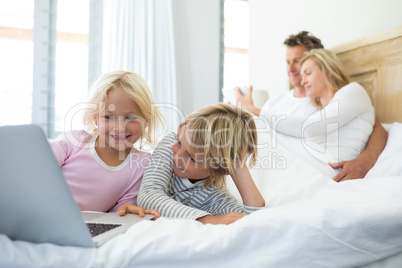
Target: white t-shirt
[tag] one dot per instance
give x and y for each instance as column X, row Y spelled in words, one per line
column 279, row 107
column 342, row 127
column 288, row 104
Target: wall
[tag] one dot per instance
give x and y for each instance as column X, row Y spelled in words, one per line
column 334, row 22
column 197, row 37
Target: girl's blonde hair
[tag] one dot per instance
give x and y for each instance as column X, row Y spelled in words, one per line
column 136, row 88
column 226, row 135
column 334, row 73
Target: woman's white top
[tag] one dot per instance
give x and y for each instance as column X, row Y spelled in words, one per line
column 341, row 128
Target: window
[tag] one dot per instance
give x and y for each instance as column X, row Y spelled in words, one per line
column 42, row 82
column 236, row 37
column 16, row 65
column 71, row 72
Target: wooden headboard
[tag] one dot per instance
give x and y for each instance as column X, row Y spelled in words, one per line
column 375, row 62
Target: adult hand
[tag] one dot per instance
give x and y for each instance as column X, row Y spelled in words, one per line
column 130, row 208
column 246, row 101
column 358, row 168
column 353, row 169
column 222, row 219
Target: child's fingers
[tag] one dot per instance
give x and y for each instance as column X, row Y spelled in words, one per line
column 153, row 212
column 129, row 208
column 122, row 210
column 140, row 211
column 136, row 210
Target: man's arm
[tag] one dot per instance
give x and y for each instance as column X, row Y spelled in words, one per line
column 247, row 101
column 358, row 168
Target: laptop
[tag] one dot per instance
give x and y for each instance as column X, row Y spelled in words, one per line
column 36, row 204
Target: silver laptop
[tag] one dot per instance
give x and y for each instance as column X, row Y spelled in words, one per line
column 36, row 204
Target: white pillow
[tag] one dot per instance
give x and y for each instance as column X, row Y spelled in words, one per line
column 389, row 163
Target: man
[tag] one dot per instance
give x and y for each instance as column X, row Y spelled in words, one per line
column 296, row 102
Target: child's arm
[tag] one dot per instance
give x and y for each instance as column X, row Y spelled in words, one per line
column 249, row 192
column 130, row 208
column 60, row 148
column 156, row 190
column 225, row 208
column 222, row 219
column 68, row 142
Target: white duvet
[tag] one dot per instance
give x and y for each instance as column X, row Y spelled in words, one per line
column 310, row 221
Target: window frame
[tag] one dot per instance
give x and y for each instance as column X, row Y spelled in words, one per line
column 44, row 36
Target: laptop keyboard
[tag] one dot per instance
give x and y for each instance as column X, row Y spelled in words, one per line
column 99, row 228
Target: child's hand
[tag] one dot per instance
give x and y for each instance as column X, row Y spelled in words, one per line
column 249, row 192
column 130, row 208
column 222, row 219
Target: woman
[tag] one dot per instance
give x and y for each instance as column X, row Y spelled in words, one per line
column 345, row 120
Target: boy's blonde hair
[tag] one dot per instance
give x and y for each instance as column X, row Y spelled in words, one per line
column 334, row 73
column 136, row 88
column 226, row 135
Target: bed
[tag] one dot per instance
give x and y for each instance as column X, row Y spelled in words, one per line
column 310, row 221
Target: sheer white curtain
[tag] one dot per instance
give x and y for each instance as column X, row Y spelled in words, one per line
column 138, row 36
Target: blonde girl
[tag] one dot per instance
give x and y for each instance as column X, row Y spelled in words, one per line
column 104, row 164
